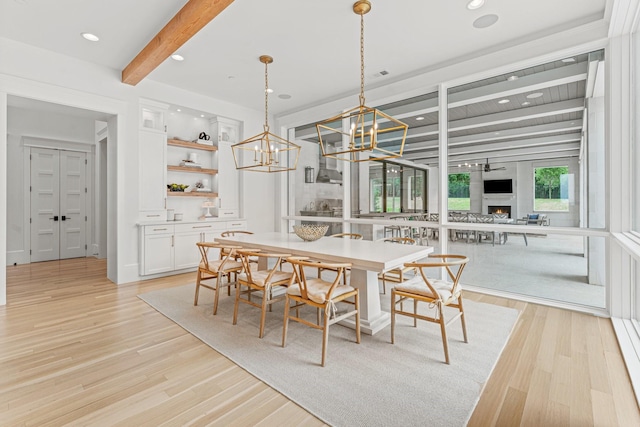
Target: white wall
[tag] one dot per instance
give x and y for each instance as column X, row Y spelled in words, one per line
column 35, row 73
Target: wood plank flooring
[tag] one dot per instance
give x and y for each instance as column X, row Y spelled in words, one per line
column 77, row 350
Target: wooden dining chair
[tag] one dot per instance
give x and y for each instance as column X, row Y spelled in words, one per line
column 217, row 269
column 262, row 281
column 435, row 292
column 352, row 236
column 396, row 275
column 231, row 233
column 322, row 295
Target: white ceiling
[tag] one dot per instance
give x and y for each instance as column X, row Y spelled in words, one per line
column 315, row 44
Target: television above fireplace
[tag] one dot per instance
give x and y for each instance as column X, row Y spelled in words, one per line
column 498, row 186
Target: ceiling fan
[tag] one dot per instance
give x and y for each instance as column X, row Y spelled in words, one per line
column 487, row 167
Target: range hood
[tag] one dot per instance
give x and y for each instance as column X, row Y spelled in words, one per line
column 327, row 174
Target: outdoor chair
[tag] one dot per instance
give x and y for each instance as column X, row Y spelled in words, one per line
column 436, row 293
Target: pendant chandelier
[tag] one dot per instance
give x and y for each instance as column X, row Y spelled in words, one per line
column 367, row 130
column 266, row 152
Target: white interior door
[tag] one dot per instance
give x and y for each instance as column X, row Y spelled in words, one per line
column 58, row 209
column 45, row 205
column 73, row 218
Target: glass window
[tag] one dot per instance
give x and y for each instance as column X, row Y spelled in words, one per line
column 459, row 199
column 553, row 186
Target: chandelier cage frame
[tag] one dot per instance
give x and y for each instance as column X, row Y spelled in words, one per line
column 267, row 148
column 359, row 128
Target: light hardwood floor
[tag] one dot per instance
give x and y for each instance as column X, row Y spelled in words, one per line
column 77, row 350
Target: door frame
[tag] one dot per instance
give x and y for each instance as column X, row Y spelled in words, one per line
column 89, row 149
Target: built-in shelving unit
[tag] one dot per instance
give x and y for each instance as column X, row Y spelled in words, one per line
column 193, row 145
column 191, row 169
column 191, row 194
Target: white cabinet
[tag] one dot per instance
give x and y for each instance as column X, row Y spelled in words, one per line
column 225, row 133
column 153, row 193
column 172, row 247
column 152, row 140
column 228, row 205
column 159, row 249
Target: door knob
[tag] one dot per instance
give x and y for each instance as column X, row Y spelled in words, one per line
column 63, row 218
column 55, row 218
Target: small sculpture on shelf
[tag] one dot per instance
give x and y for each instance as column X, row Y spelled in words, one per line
column 203, row 186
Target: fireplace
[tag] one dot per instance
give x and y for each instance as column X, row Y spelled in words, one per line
column 499, row 209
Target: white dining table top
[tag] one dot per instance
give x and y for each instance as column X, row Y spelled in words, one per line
column 362, row 254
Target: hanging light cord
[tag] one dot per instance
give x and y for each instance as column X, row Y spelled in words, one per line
column 362, row 59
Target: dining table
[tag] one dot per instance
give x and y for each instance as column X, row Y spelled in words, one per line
column 367, row 258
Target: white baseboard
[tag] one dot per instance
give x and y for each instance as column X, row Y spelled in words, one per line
column 17, row 257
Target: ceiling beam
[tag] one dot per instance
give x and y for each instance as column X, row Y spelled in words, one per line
column 531, row 83
column 488, row 150
column 527, row 131
column 187, row 22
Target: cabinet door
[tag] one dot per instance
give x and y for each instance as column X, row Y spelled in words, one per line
column 227, row 178
column 153, row 171
column 186, row 251
column 158, row 253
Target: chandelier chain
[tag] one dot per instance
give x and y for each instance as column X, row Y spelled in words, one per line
column 266, row 97
column 361, row 59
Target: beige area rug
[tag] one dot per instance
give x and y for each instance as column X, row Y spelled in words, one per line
column 375, row 383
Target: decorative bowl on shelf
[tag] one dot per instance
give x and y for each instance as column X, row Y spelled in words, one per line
column 310, row 233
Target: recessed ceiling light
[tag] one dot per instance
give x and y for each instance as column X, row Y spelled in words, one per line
column 485, row 21
column 90, row 37
column 177, row 57
column 534, row 95
column 420, row 118
column 512, row 78
column 503, row 101
column 178, row 110
column 496, row 133
column 526, row 103
column 201, row 115
column 269, row 90
column 569, row 60
column 475, row 4
column 284, row 96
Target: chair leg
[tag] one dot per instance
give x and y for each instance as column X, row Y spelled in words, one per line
column 325, row 335
column 195, row 298
column 216, row 295
column 393, row 314
column 285, row 321
column 415, row 311
column 462, row 319
column 263, row 315
column 357, row 316
column 443, row 330
column 236, row 303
